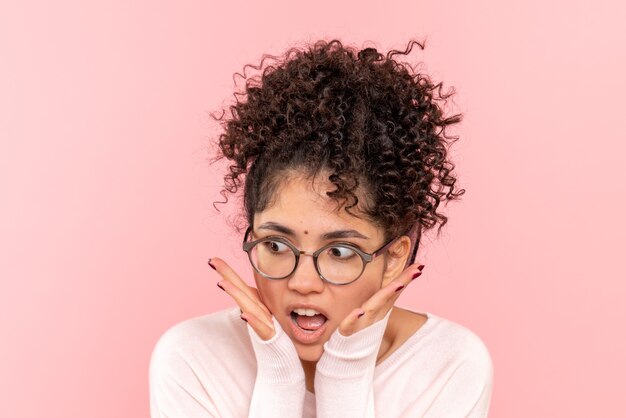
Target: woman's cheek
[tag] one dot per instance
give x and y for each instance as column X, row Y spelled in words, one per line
column 359, row 296
column 268, row 297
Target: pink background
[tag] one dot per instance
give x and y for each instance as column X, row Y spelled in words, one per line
column 106, row 220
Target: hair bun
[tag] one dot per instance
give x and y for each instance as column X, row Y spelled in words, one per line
column 375, row 128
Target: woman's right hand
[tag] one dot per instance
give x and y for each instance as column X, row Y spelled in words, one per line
column 253, row 309
column 280, row 384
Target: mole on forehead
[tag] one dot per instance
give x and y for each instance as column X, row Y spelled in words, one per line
column 306, row 232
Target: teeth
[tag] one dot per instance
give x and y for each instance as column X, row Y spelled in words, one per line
column 307, row 312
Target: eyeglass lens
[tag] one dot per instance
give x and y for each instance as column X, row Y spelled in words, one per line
column 338, row 263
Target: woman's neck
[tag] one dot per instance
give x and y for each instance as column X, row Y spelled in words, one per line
column 309, row 374
column 386, row 344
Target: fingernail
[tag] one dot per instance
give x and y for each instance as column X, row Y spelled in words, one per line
column 241, row 316
column 416, row 275
column 400, row 288
column 361, row 314
column 212, row 266
column 420, row 267
column 220, row 286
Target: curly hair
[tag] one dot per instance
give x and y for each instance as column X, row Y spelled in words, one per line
column 361, row 117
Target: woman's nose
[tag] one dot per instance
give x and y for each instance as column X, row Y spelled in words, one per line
column 306, row 279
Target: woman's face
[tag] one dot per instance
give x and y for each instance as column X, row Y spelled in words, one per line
column 309, row 214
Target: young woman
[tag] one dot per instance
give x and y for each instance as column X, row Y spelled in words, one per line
column 342, row 158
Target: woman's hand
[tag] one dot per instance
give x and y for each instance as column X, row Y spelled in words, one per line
column 280, row 384
column 253, row 309
column 376, row 307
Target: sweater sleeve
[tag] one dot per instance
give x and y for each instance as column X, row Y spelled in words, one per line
column 344, row 377
column 279, row 388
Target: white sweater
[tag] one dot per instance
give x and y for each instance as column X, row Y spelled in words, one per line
column 207, row 367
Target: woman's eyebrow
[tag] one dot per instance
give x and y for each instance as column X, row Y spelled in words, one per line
column 345, row 233
column 273, row 226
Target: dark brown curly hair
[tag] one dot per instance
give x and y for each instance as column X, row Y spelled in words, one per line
column 359, row 116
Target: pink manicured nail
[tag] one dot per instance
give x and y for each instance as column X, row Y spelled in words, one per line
column 416, row 275
column 421, row 267
column 400, row 288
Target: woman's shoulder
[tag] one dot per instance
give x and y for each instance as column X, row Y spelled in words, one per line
column 443, row 367
column 208, row 354
column 454, row 340
column 455, row 336
column 438, row 339
column 204, row 337
column 208, row 326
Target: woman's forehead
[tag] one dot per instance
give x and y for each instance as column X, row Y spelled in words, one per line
column 303, row 206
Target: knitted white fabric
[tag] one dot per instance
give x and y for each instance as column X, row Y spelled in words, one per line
column 207, row 367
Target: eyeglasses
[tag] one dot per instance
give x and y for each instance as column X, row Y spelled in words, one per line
column 337, row 263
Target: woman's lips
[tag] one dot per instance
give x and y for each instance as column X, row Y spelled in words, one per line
column 306, row 337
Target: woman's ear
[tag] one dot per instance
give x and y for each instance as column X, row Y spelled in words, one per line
column 396, row 258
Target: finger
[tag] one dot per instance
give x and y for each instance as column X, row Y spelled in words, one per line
column 260, row 327
column 379, row 304
column 410, row 273
column 246, row 304
column 224, row 270
column 350, row 324
column 262, row 302
column 376, row 307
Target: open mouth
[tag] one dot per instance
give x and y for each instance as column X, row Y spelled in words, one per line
column 308, row 324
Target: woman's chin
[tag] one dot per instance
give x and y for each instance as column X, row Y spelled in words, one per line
column 310, row 353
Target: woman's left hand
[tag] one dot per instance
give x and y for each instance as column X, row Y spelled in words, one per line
column 376, row 307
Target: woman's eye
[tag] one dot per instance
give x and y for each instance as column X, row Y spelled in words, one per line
column 343, row 253
column 276, row 246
